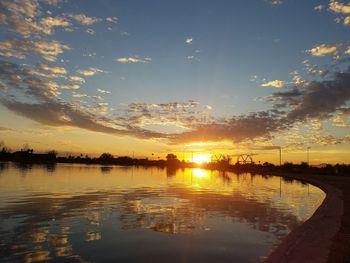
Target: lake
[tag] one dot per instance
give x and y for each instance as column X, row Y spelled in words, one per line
column 81, row 213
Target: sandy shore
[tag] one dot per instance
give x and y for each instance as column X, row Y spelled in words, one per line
column 325, row 236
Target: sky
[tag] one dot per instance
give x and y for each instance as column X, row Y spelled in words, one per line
column 145, row 78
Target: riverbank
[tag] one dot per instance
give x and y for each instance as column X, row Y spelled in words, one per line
column 325, row 237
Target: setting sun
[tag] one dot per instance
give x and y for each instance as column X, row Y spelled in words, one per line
column 201, row 158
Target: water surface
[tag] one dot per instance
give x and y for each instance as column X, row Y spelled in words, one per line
column 78, row 213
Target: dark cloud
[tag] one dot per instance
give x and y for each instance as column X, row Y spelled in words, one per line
column 265, row 147
column 237, row 129
column 318, row 99
column 22, row 48
column 55, row 113
column 315, row 100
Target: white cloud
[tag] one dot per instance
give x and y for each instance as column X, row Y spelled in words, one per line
column 133, row 60
column 70, row 86
column 125, row 34
column 78, row 95
column 112, row 19
column 189, row 40
column 90, row 31
column 274, row 83
column 319, row 8
column 191, row 57
column 323, row 50
column 84, row 19
column 274, row 2
column 89, row 72
column 103, row 91
column 77, row 79
column 96, row 97
column 52, row 2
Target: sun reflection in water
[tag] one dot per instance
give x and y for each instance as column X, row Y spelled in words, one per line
column 200, row 173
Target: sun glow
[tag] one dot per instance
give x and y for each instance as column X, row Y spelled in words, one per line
column 200, row 173
column 201, row 158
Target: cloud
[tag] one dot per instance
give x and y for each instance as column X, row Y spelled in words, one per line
column 346, row 21
column 41, row 89
column 191, row 57
column 70, row 86
column 347, row 51
column 49, row 23
column 6, row 130
column 237, row 129
column 342, row 118
column 330, row 140
column 133, row 60
column 90, row 31
column 78, row 95
column 297, row 79
column 274, row 83
column 89, row 72
column 112, row 19
column 29, row 8
column 265, row 147
column 53, row 69
column 103, row 91
column 48, row 109
column 77, row 79
column 323, row 50
column 319, row 100
column 274, row 2
column 162, row 107
column 319, row 8
column 338, row 7
column 96, row 97
column 55, row 113
column 27, row 81
column 83, row 19
column 311, row 100
column 49, row 50
column 21, row 17
column 189, row 41
column 52, row 2
column 176, row 114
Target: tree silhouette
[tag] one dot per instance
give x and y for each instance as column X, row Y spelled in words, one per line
column 106, row 157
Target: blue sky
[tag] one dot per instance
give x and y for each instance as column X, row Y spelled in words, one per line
column 231, row 58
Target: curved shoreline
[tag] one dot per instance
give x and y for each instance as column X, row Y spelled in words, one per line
column 312, row 241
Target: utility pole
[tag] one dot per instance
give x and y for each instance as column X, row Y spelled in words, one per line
column 308, row 155
column 280, row 155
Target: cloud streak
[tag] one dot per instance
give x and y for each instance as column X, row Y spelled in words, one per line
column 48, row 50
column 131, row 60
column 89, row 72
column 274, row 83
column 323, row 50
